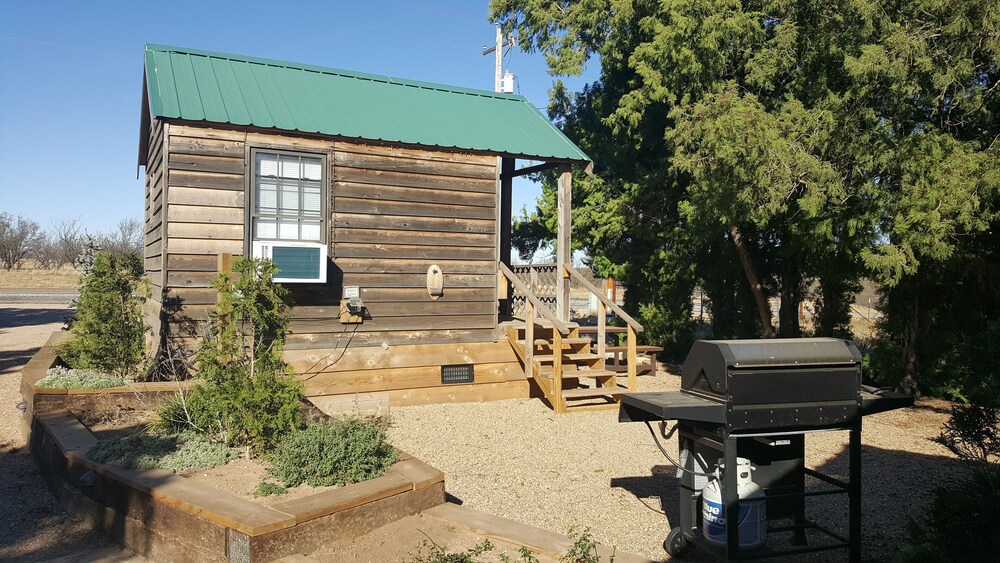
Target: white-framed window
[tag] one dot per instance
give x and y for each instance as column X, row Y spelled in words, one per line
column 289, row 195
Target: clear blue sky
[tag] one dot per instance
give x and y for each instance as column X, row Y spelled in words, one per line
column 71, row 79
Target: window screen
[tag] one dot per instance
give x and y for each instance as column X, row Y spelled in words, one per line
column 288, row 197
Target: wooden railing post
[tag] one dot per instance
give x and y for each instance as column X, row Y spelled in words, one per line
column 564, row 251
column 558, row 403
column 602, row 332
column 529, row 339
column 632, row 359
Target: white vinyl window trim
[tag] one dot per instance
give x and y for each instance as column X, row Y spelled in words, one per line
column 288, row 197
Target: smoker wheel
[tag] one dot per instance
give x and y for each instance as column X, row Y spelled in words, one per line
column 675, row 545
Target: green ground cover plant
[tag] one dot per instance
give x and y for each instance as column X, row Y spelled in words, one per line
column 269, row 489
column 65, row 378
column 341, row 451
column 180, row 452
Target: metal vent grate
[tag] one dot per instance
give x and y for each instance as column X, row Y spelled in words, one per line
column 459, row 373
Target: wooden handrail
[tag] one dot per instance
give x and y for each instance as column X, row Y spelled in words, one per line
column 539, row 307
column 603, row 298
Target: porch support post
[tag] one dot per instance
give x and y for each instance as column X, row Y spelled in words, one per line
column 506, row 219
column 564, row 252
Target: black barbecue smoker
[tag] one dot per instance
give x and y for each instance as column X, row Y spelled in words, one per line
column 757, row 400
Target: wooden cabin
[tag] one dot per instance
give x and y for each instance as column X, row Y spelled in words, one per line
column 386, row 205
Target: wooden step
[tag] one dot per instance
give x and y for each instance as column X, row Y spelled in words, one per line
column 609, row 329
column 640, row 369
column 569, row 373
column 585, row 392
column 545, row 323
column 566, row 341
column 640, row 349
column 572, row 357
column 587, row 373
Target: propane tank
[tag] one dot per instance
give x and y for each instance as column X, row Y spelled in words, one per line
column 753, row 509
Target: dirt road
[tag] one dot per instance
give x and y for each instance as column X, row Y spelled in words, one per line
column 33, row 527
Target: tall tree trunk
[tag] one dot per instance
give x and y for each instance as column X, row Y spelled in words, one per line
column 763, row 309
column 791, row 297
column 908, row 384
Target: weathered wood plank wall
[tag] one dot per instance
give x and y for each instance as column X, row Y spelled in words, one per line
column 393, row 212
column 153, row 232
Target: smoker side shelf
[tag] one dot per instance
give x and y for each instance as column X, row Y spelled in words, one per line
column 670, row 405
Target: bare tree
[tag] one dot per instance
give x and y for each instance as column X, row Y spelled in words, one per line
column 66, row 239
column 125, row 238
column 19, row 238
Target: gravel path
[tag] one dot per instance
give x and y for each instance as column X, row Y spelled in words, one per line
column 518, row 460
column 33, row 527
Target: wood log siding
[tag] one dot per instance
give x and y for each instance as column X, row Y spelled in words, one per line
column 153, row 234
column 394, row 212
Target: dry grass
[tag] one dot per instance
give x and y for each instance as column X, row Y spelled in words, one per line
column 30, row 277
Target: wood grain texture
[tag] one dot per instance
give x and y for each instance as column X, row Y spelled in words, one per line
column 190, row 179
column 207, row 197
column 390, row 338
column 412, row 251
column 205, row 214
column 388, row 192
column 412, row 237
column 410, row 266
column 404, row 179
column 412, row 209
column 413, row 323
column 400, row 163
column 326, row 383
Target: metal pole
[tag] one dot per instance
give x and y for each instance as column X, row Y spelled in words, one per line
column 731, row 499
column 854, row 493
column 499, row 52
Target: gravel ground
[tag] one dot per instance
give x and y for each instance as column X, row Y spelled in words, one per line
column 33, row 527
column 518, row 460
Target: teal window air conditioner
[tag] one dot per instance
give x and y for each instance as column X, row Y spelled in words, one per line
column 297, row 262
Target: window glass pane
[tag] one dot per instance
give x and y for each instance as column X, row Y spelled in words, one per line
column 310, row 201
column 312, row 168
column 267, row 197
column 310, row 231
column 288, row 230
column 289, row 200
column 288, row 166
column 267, row 164
column 266, row 229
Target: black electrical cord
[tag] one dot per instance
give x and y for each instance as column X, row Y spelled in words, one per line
column 670, row 459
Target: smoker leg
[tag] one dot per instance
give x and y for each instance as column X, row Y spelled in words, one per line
column 688, row 500
column 731, row 500
column 854, row 493
column 800, row 488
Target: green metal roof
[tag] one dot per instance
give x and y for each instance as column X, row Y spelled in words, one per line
column 220, row 88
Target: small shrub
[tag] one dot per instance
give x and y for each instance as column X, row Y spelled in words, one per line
column 960, row 522
column 431, row 552
column 956, row 525
column 438, row 554
column 248, row 397
column 345, row 450
column 107, row 332
column 584, row 548
column 63, row 378
column 180, row 452
column 269, row 489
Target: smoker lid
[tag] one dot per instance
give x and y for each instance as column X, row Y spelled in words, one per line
column 774, row 352
column 709, row 361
